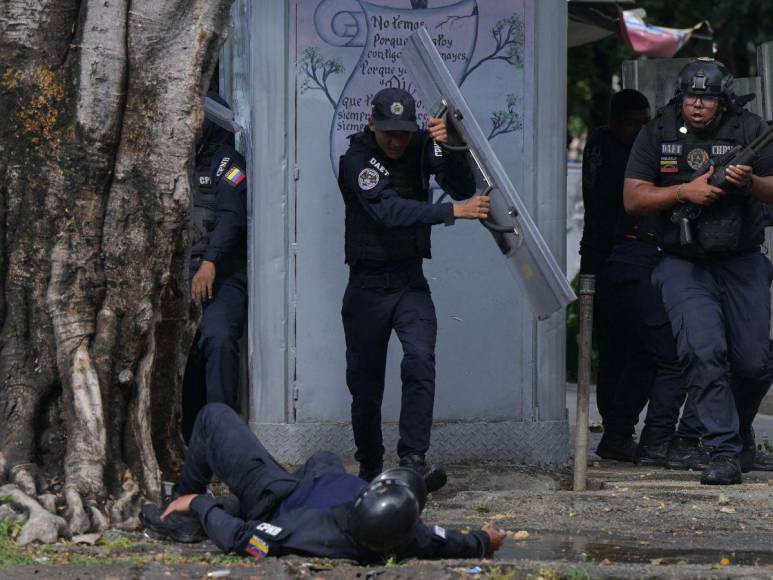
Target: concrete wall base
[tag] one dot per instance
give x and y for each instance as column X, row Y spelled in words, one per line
column 537, row 443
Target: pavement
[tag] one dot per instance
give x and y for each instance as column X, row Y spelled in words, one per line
column 631, row 523
column 763, row 424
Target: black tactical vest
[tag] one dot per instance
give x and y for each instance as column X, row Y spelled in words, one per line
column 731, row 226
column 202, row 220
column 366, row 239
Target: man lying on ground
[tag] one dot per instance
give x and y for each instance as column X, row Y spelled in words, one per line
column 320, row 510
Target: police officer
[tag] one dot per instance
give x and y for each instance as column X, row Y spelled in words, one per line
column 319, row 510
column 716, row 290
column 384, row 182
column 625, row 370
column 218, row 259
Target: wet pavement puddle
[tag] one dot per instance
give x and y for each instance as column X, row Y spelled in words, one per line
column 549, row 547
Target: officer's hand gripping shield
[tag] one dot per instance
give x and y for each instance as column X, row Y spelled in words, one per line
column 527, row 254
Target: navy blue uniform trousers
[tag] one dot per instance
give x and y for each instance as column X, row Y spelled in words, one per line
column 222, row 323
column 369, row 316
column 222, row 444
column 650, row 369
column 720, row 315
column 212, row 372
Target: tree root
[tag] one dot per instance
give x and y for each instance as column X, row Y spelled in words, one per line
column 125, row 511
column 24, row 476
column 41, row 526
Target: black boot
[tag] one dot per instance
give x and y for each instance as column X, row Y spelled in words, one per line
column 753, row 459
column 368, row 471
column 687, row 454
column 619, row 447
column 434, row 475
column 722, row 470
column 649, row 455
column 179, row 527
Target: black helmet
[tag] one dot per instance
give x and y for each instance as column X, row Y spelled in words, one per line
column 412, row 478
column 383, row 515
column 705, row 77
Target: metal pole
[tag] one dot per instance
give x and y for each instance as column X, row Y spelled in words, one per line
column 587, row 289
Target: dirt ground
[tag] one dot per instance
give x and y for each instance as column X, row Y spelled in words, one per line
column 636, row 523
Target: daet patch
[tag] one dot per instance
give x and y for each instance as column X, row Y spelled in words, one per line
column 697, row 157
column 375, row 163
column 235, row 176
column 368, row 178
column 671, row 148
column 396, row 108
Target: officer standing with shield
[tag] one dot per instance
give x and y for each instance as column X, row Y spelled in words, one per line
column 715, row 284
column 384, row 180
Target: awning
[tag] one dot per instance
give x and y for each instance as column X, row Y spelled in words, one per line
column 592, row 20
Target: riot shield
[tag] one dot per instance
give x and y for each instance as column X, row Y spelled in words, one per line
column 526, row 253
column 219, row 114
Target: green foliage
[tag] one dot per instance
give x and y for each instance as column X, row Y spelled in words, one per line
column 117, row 543
column 10, row 553
column 548, row 573
column 392, row 562
column 501, row 573
column 482, row 509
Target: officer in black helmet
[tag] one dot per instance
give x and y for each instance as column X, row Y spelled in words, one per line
column 384, row 180
column 320, row 510
column 716, row 290
column 218, row 267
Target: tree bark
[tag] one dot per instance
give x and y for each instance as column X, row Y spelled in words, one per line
column 101, row 106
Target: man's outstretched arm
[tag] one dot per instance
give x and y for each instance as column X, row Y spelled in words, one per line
column 435, row 542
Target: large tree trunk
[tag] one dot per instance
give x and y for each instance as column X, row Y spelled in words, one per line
column 101, row 105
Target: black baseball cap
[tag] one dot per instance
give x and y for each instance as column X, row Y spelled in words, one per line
column 394, row 110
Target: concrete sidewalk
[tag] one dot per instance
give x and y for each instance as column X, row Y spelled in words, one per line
column 763, row 424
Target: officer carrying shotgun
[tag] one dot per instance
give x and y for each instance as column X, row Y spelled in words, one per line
column 714, row 281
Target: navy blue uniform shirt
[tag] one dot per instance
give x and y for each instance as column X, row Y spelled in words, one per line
column 312, row 522
column 381, row 200
column 227, row 242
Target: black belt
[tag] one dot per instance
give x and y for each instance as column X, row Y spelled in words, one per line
column 385, row 280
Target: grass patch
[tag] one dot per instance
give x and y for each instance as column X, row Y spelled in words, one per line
column 501, row 573
column 10, row 553
column 482, row 509
column 548, row 573
column 117, row 543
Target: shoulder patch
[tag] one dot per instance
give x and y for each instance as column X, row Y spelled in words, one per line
column 235, row 176
column 439, row 532
column 257, row 548
column 368, row 178
column 375, row 163
column 222, row 165
column 671, row 148
column 269, row 529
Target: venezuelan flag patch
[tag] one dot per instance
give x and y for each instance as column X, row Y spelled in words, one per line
column 235, row 176
column 669, row 165
column 257, row 548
